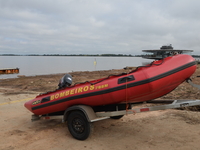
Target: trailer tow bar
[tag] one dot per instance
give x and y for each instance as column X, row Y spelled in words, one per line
column 192, row 84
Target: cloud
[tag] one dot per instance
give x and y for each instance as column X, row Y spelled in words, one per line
column 98, row 26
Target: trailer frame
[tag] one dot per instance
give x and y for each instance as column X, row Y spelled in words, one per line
column 80, row 117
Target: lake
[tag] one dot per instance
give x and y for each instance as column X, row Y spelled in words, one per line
column 40, row 65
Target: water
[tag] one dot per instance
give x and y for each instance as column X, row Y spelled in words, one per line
column 40, row 65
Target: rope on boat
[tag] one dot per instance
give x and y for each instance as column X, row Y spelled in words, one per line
column 151, row 64
column 127, row 104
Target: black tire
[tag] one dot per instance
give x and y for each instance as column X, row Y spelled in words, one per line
column 78, row 125
column 116, row 117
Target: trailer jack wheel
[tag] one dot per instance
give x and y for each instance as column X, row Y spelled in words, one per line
column 78, row 125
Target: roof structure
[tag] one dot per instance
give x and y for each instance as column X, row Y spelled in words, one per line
column 164, row 51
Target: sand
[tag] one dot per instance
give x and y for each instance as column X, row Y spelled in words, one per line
column 166, row 129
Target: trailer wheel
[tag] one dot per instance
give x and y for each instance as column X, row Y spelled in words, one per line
column 116, row 117
column 78, row 125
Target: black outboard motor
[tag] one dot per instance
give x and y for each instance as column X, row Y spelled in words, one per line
column 65, row 81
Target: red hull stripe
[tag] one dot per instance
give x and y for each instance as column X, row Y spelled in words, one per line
column 117, row 88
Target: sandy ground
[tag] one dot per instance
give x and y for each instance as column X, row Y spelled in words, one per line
column 167, row 129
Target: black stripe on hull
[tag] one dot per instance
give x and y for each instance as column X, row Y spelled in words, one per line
column 117, row 88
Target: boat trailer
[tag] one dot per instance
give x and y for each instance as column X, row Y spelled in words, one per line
column 80, row 117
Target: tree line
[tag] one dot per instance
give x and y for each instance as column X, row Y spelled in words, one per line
column 105, row 55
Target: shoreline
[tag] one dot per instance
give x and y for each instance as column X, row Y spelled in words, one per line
column 125, row 69
column 49, row 82
column 72, row 72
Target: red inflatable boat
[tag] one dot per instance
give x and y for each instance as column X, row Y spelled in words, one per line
column 143, row 84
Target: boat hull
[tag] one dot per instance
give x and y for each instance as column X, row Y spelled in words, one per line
column 143, row 84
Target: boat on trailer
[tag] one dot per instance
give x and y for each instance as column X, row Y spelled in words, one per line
column 114, row 93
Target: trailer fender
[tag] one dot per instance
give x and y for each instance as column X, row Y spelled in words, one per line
column 87, row 110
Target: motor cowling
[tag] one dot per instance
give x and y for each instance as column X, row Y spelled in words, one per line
column 65, row 81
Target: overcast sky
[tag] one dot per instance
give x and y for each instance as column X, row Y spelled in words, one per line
column 98, row 26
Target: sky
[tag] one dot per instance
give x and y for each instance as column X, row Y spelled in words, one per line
column 98, row 26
